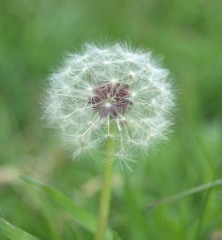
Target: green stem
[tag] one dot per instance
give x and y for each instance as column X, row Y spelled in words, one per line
column 106, row 189
column 192, row 191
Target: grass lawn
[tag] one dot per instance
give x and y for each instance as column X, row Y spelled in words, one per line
column 34, row 37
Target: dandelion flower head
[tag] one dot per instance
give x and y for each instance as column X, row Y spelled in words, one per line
column 104, row 86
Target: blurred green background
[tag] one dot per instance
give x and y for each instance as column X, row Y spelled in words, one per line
column 34, row 37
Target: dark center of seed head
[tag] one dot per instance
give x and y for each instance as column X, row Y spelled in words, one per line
column 111, row 99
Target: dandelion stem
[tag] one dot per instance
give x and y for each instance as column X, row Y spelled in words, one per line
column 106, row 189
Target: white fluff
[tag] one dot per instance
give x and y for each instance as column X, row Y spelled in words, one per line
column 81, row 127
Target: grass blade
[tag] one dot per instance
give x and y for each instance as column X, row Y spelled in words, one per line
column 192, row 191
column 81, row 216
column 12, row 232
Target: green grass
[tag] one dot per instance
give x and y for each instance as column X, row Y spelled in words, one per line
column 34, row 37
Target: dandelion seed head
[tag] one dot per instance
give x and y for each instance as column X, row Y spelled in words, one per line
column 110, row 85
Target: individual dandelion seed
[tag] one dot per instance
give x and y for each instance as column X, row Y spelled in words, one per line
column 111, row 95
column 102, row 86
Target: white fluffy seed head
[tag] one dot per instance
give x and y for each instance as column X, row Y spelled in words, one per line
column 110, row 85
